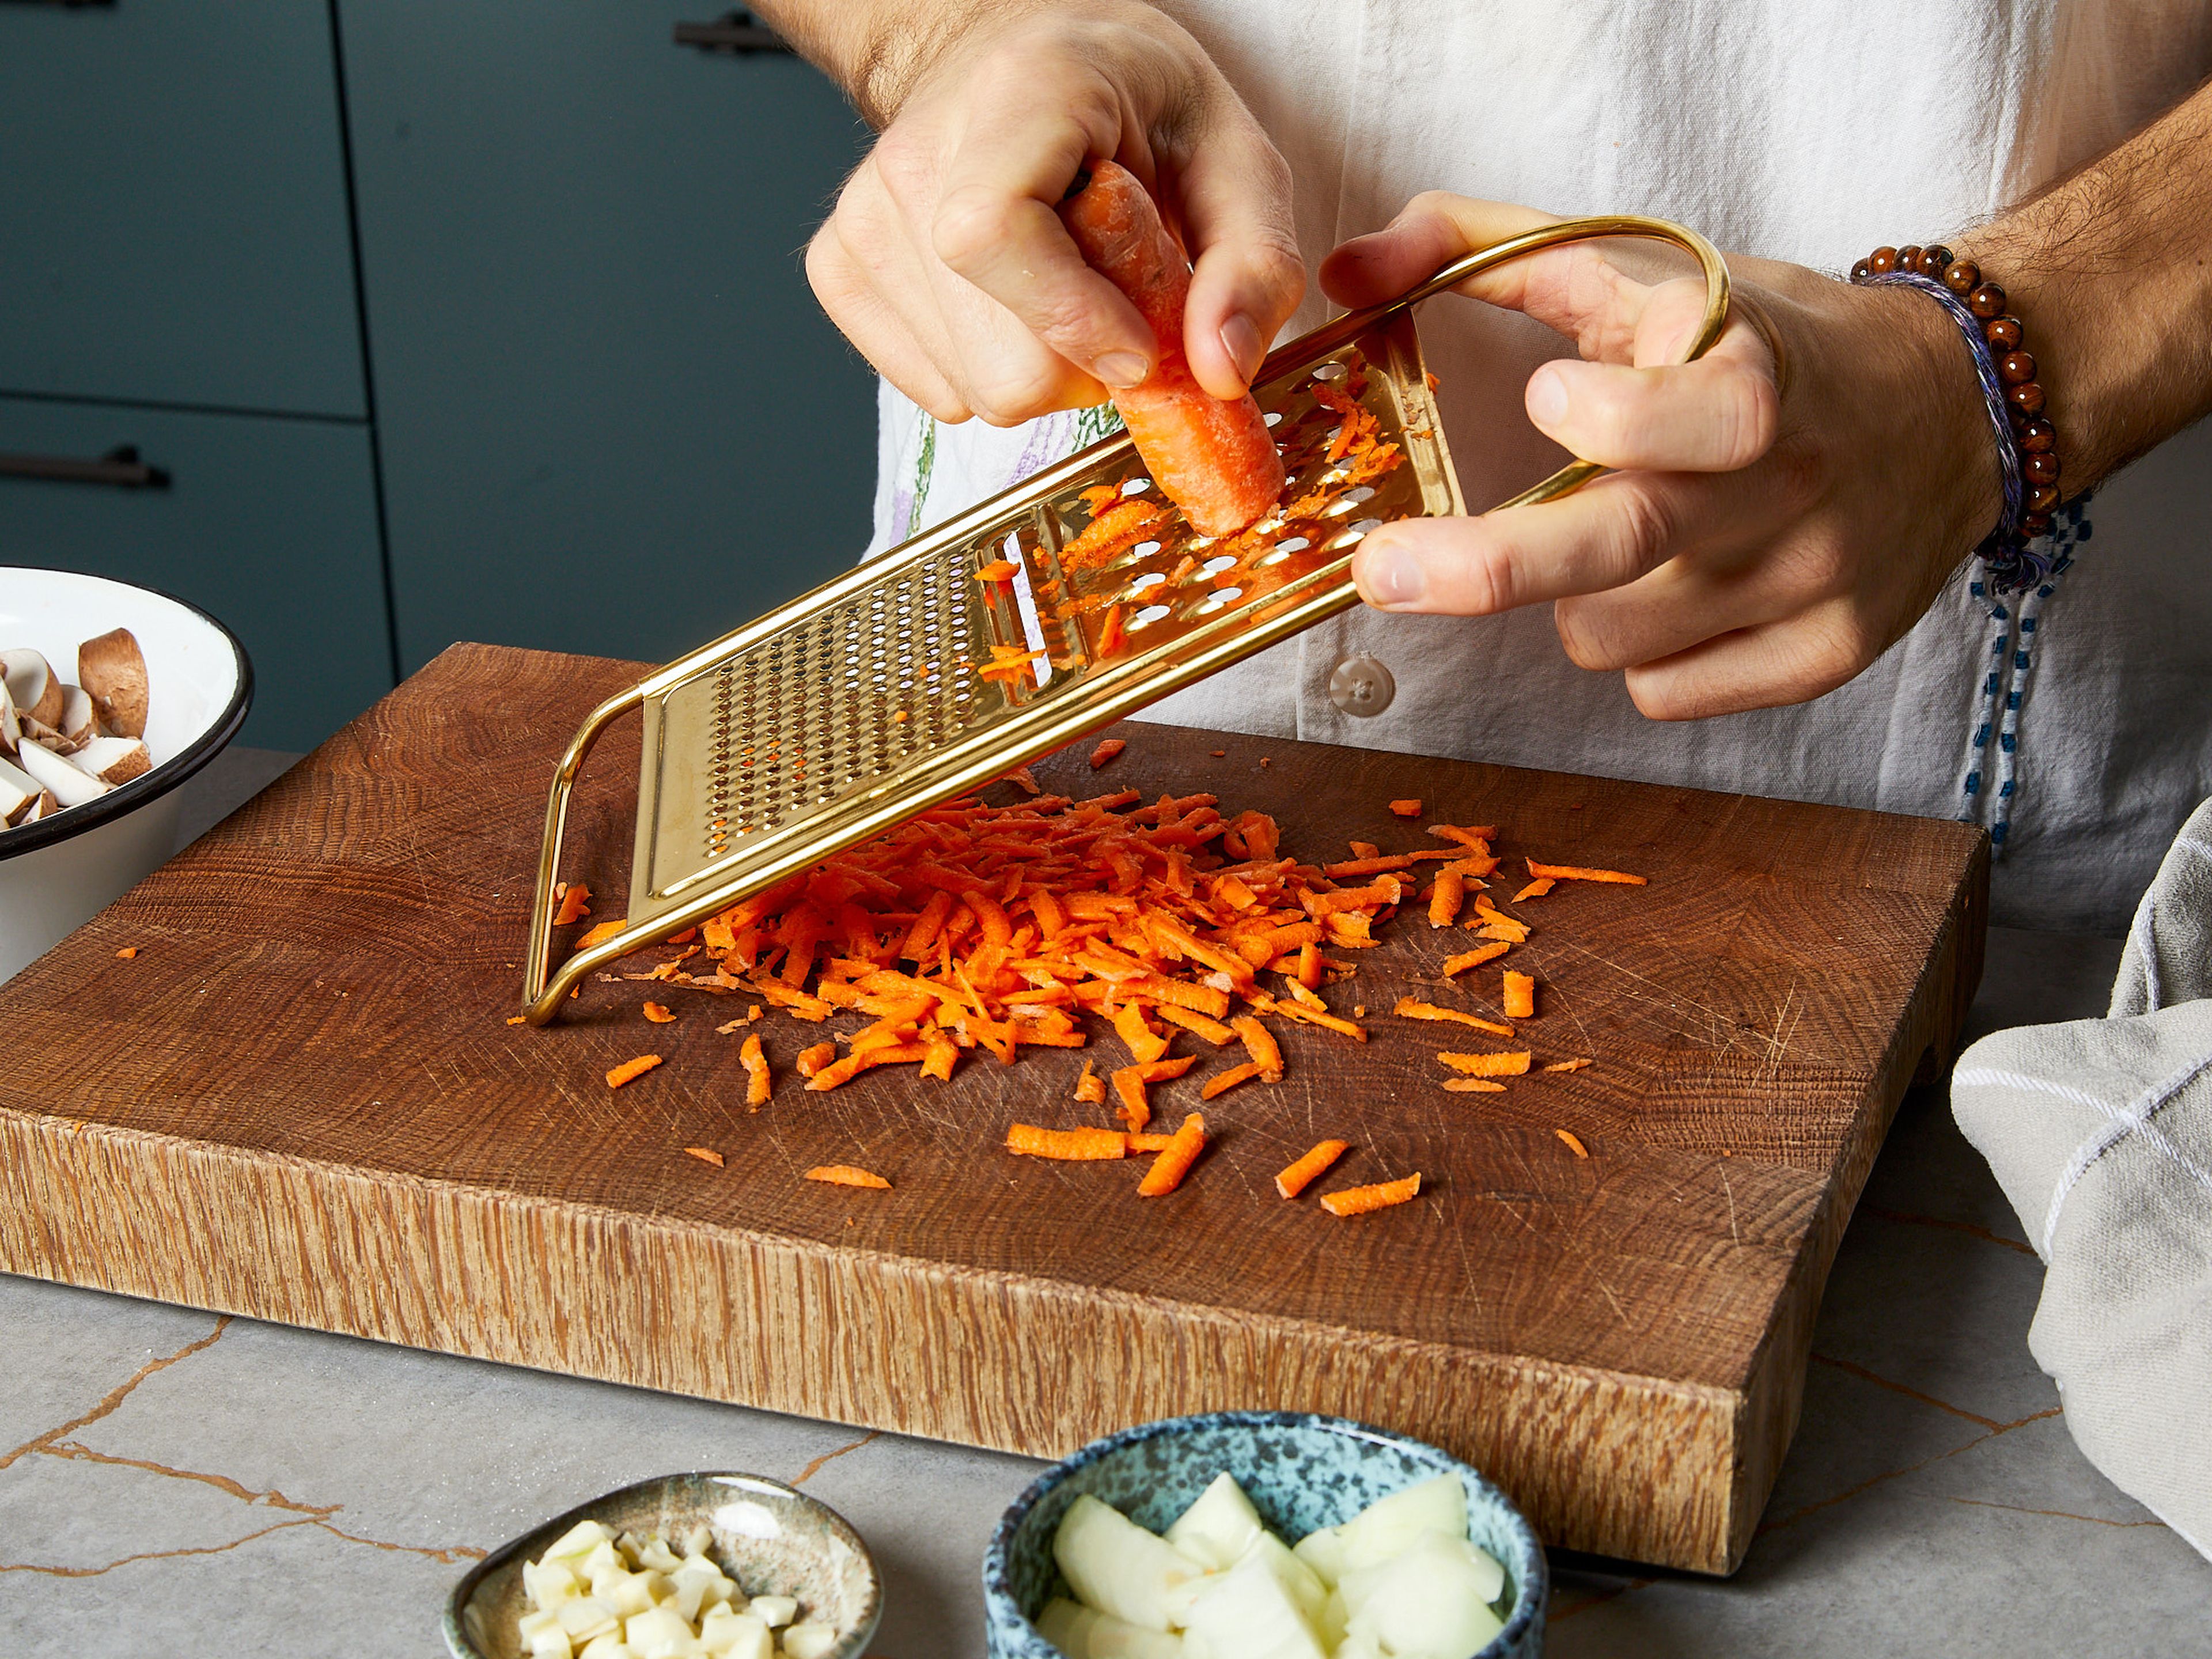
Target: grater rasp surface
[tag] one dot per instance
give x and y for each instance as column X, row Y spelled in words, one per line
column 910, row 679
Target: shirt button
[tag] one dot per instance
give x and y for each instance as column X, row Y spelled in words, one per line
column 1361, row 686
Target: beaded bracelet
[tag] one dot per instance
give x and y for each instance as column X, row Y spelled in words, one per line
column 2027, row 451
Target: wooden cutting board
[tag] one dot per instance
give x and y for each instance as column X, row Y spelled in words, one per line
column 301, row 1101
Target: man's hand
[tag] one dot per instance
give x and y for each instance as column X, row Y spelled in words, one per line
column 945, row 262
column 1784, row 508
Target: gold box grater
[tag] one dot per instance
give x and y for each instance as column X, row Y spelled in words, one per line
column 908, row 680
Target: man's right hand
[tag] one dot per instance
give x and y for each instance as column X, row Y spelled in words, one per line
column 945, row 261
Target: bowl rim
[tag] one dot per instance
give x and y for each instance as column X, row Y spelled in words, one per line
column 148, row 786
column 1535, row 1582
column 460, row 1647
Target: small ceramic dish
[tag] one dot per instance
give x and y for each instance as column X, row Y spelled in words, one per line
column 1302, row 1472
column 772, row 1540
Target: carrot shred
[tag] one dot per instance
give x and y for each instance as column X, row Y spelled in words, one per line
column 1520, row 999
column 575, row 905
column 601, row 933
column 812, row 1059
column 754, row 1058
column 1297, row 1176
column 942, row 1054
column 1091, row 1088
column 1022, row 779
column 630, row 1070
column 1505, row 1064
column 705, row 1155
column 1144, row 1043
column 1473, row 1085
column 1150, row 1143
column 657, row 1013
column 1299, row 1012
column 1576, row 873
column 1069, row 1146
column 1568, row 1065
column 517, row 1019
column 1259, row 1043
column 1169, row 1166
column 1474, row 958
column 1359, row 1200
column 126, row 953
column 1135, row 1110
column 1535, row 889
column 1406, row 809
column 1574, row 1142
column 999, row 570
column 844, row 1174
column 1222, row 1082
column 1446, row 898
column 1106, row 750
column 1191, row 1020
column 1407, row 1008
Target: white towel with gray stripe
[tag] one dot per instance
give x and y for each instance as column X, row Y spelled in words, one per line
column 2100, row 1132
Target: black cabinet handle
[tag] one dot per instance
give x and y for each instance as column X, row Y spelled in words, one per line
column 120, row 466
column 735, row 32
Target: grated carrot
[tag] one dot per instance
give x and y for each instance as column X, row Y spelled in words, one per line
column 1409, row 1009
column 1505, row 1064
column 126, row 953
column 1091, row 1088
column 601, row 933
column 1473, row 1085
column 1222, row 1082
column 575, row 905
column 1135, row 1109
column 1259, row 1043
column 1474, row 958
column 1144, row 1043
column 1535, row 889
column 1296, row 1178
column 630, row 1070
column 1406, row 809
column 1446, row 898
column 754, row 1058
column 1574, row 1144
column 1576, row 873
column 1567, row 1065
column 844, row 1174
column 517, row 1019
column 1106, row 750
column 657, row 1013
column 1519, row 1000
column 1150, row 1143
column 705, row 1155
column 999, row 570
column 1069, row 1146
column 1169, row 1167
column 1359, row 1200
column 1191, row 1020
column 812, row 1059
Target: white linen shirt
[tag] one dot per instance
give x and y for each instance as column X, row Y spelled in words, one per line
column 2077, row 727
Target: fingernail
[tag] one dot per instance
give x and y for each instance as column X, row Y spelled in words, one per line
column 1547, row 397
column 1240, row 338
column 1121, row 369
column 1391, row 575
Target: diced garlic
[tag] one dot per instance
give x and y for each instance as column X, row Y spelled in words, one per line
column 736, row 1636
column 775, row 1611
column 699, row 1540
column 610, row 1646
column 585, row 1618
column 578, row 1540
column 549, row 1582
column 551, row 1643
column 810, row 1641
column 531, row 1623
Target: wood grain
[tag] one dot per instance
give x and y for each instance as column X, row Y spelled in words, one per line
column 301, row 1101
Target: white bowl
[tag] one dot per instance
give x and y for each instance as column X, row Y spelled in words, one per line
column 60, row 872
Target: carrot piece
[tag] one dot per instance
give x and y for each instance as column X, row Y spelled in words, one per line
column 1091, row 1088
column 126, row 953
column 1574, row 1142
column 1145, row 1043
column 1069, row 1146
column 575, row 905
column 1214, row 459
column 517, row 1019
column 1161, row 1071
column 1476, row 835
column 1299, row 1012
column 1519, row 999
column 751, row 1056
column 1150, row 1143
column 1535, row 889
column 1107, row 749
column 1191, row 1020
column 1446, row 898
column 1406, row 809
column 1222, row 1082
column 1135, row 1109
column 630, row 1070
column 1023, row 780
column 1359, row 1201
column 927, row 927
column 1259, row 1043
column 1567, row 1065
column 601, row 933
column 1474, row 959
column 844, row 1071
column 1576, row 873
column 1505, row 1064
column 1473, row 1085
column 705, row 1155
column 812, row 1059
column 657, row 1013
column 844, row 1174
column 1308, row 974
column 999, row 570
column 942, row 1054
column 1409, row 1009
column 1299, row 1175
column 1169, row 1167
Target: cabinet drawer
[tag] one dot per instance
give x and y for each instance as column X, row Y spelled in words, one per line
column 269, row 525
column 172, row 208
column 612, row 417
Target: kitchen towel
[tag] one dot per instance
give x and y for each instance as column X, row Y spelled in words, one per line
column 2100, row 1132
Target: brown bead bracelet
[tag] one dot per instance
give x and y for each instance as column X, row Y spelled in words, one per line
column 2035, row 440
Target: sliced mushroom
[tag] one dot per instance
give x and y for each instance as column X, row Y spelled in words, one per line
column 68, row 785
column 44, row 808
column 114, row 669
column 41, row 735
column 19, row 792
column 113, row 760
column 78, row 723
column 34, row 686
column 11, row 730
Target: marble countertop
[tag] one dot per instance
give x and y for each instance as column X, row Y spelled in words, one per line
column 175, row 1482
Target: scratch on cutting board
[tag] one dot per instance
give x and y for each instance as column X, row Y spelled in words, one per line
column 1731, row 1191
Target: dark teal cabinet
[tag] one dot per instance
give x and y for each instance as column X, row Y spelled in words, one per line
column 269, row 524
column 173, row 207
column 612, row 417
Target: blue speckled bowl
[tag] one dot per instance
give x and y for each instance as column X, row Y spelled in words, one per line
column 1301, row 1471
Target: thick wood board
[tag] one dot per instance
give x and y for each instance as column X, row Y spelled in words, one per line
column 301, row 1101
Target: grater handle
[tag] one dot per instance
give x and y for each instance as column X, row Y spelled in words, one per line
column 1573, row 475
column 539, row 1006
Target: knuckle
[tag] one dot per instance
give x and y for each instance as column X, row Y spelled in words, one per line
column 904, row 164
column 1643, row 530
column 967, row 225
column 1012, row 394
column 1584, row 637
